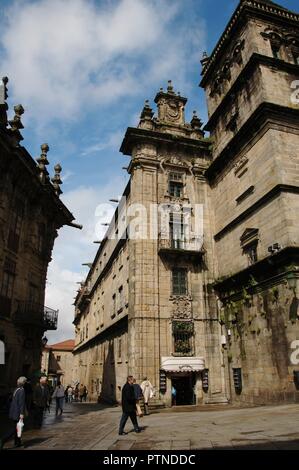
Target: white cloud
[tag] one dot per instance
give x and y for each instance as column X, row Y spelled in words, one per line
column 62, row 55
column 112, row 142
column 74, row 247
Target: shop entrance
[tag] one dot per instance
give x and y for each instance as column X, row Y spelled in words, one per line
column 184, row 387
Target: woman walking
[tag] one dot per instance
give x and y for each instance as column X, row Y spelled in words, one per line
column 59, row 397
column 148, row 393
column 16, row 413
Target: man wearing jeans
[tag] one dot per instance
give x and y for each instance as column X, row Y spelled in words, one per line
column 128, row 402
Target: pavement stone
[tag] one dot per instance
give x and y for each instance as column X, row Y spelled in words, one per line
column 92, row 426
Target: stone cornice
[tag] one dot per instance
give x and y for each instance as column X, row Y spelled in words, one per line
column 136, row 136
column 254, row 61
column 120, row 324
column 257, row 8
column 272, row 194
column 272, row 267
column 265, row 113
column 21, row 164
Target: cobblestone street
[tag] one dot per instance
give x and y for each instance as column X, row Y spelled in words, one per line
column 95, row 427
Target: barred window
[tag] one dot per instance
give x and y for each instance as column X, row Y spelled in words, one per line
column 175, row 184
column 179, row 281
column 183, row 335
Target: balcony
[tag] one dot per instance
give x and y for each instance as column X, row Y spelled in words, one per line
column 33, row 314
column 181, row 247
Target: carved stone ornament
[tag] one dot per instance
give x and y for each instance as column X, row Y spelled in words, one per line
column 240, row 166
column 182, row 306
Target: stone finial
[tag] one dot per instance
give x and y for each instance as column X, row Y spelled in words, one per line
column 3, row 104
column 205, row 59
column 56, row 180
column 147, row 112
column 16, row 123
column 42, row 162
column 196, row 122
column 170, row 88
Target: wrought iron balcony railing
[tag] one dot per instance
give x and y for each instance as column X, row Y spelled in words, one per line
column 31, row 313
column 193, row 245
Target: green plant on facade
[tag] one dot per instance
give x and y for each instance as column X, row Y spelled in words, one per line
column 274, row 294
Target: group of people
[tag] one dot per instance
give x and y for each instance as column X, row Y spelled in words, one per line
column 76, row 393
column 32, row 402
column 27, row 401
column 132, row 394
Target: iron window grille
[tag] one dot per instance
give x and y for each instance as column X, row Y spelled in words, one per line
column 179, row 281
column 183, row 338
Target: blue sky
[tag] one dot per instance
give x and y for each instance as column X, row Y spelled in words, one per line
column 82, row 70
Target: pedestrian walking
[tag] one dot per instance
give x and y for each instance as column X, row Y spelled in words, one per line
column 70, row 394
column 85, row 393
column 41, row 399
column 81, row 392
column 138, row 397
column 76, row 394
column 173, row 395
column 16, row 413
column 128, row 402
column 58, row 394
column 148, row 393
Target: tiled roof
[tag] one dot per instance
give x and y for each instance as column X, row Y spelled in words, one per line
column 67, row 345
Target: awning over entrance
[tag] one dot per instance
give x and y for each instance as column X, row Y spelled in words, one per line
column 182, row 364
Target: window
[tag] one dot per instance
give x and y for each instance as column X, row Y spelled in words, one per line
column 176, row 185
column 251, row 252
column 7, row 286
column 175, row 189
column 276, row 51
column 249, row 242
column 86, row 331
column 183, row 334
column 15, row 226
column 179, row 281
column 177, row 231
column 33, row 297
column 113, row 305
column 119, row 349
column 58, row 358
column 121, row 297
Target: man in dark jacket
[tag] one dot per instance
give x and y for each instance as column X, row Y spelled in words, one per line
column 41, row 400
column 128, row 402
column 16, row 412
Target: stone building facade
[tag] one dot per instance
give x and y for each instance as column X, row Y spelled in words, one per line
column 57, row 362
column 30, row 215
column 213, row 312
